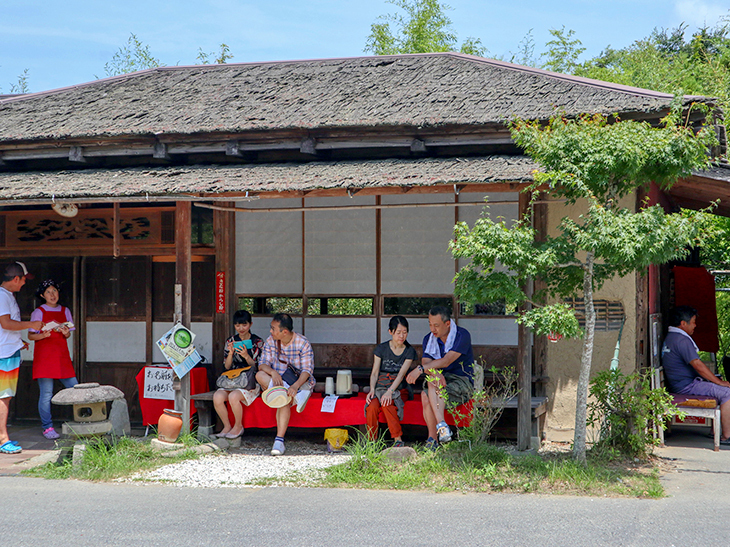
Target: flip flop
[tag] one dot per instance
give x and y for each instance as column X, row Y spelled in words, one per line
column 10, row 448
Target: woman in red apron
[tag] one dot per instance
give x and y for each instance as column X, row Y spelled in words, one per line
column 51, row 359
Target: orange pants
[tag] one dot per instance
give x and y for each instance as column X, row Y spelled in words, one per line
column 391, row 417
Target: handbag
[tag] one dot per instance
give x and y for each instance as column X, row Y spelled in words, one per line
column 291, row 374
column 238, row 378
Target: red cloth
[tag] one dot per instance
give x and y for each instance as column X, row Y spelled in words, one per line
column 348, row 411
column 696, row 287
column 152, row 408
column 50, row 355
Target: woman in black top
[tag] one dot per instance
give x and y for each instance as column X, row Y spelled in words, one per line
column 242, row 350
column 390, row 364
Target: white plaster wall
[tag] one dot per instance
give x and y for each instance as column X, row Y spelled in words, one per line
column 341, row 330
column 269, row 249
column 492, row 331
column 203, row 339
column 116, row 341
column 415, row 256
column 262, row 325
column 340, row 247
column 563, row 357
column 417, row 329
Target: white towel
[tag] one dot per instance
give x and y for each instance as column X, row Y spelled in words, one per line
column 432, row 347
column 677, row 330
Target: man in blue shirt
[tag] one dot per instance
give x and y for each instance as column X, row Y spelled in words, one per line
column 685, row 372
column 448, row 363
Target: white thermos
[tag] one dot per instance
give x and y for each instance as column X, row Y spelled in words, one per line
column 329, row 386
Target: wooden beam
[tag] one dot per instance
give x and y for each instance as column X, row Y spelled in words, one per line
column 116, row 236
column 417, row 145
column 160, row 151
column 232, row 148
column 183, row 277
column 524, row 361
column 76, row 154
column 308, row 146
column 224, row 238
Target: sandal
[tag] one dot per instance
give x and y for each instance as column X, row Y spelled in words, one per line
column 10, row 447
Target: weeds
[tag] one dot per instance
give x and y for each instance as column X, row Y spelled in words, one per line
column 486, row 468
column 107, row 459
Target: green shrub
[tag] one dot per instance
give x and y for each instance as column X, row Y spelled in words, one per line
column 624, row 408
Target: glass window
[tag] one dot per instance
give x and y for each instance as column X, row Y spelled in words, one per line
column 414, row 305
column 339, row 306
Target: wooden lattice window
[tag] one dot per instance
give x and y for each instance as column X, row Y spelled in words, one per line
column 609, row 314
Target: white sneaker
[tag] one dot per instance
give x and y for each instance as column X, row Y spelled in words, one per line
column 302, row 398
column 278, row 448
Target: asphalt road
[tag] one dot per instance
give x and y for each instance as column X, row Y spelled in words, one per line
column 40, row 512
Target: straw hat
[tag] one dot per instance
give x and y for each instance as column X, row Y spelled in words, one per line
column 276, row 397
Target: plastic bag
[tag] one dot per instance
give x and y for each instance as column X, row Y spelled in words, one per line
column 336, row 438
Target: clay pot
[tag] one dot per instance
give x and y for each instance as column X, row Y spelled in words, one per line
column 169, row 425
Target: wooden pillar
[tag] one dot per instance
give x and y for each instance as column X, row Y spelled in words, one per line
column 524, row 361
column 643, row 305
column 224, row 235
column 540, row 343
column 183, row 279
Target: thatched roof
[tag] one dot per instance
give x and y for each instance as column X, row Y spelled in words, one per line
column 175, row 182
column 419, row 91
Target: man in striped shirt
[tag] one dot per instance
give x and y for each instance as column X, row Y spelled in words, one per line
column 287, row 359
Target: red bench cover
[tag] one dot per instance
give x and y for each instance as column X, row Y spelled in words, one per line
column 348, row 412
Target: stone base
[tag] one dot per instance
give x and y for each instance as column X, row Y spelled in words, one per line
column 86, row 429
column 119, row 417
column 164, row 446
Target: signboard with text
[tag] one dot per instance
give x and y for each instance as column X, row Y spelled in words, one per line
column 158, row 383
column 220, row 292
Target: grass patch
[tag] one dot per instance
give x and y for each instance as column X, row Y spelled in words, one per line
column 108, row 459
column 486, row 468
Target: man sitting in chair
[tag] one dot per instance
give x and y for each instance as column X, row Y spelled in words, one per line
column 685, row 373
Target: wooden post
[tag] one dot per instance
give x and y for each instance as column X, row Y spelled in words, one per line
column 183, row 303
column 116, row 236
column 524, row 362
column 224, row 234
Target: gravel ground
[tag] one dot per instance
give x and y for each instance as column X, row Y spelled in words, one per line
column 246, row 466
column 251, row 463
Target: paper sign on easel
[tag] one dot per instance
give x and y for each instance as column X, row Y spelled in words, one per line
column 158, row 383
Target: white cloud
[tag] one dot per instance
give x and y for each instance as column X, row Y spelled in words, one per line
column 699, row 13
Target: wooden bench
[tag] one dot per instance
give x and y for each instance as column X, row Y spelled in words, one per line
column 351, row 413
column 713, row 413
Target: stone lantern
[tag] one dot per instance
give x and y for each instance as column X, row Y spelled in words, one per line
column 89, row 408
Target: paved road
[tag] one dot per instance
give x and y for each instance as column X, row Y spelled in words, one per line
column 39, row 512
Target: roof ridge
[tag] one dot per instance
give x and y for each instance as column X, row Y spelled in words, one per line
column 599, row 84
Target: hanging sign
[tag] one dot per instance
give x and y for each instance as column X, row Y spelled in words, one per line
column 220, row 292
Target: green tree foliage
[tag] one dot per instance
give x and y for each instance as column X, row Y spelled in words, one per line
column 220, row 58
column 425, row 28
column 131, row 57
column 563, row 51
column 597, row 163
column 22, row 85
column 669, row 61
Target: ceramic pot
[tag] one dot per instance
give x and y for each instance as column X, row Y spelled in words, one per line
column 169, row 425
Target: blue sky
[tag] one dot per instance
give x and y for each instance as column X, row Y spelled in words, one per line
column 66, row 43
